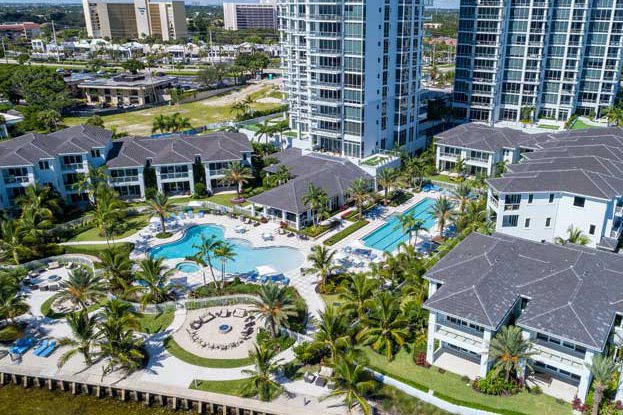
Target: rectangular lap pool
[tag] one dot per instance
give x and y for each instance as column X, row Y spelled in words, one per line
column 388, row 236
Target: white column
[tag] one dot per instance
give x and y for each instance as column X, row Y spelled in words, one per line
column 141, row 181
column 430, row 342
column 191, row 179
column 158, row 179
column 619, row 395
column 530, row 337
column 484, row 357
column 586, row 378
column 252, row 209
column 208, row 179
column 298, row 222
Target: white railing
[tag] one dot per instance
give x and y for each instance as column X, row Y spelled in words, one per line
column 167, row 176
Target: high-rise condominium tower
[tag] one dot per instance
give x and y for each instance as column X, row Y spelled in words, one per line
column 537, row 58
column 352, row 73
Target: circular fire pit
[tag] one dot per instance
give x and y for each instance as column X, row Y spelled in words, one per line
column 224, row 328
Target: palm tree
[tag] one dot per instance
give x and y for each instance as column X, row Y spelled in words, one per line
column 82, row 288
column 204, row 255
column 321, row 259
column 83, row 337
column 264, row 130
column 281, row 176
column 177, row 123
column 154, row 278
column 120, row 312
column 385, row 328
column 122, row 349
column 238, row 175
column 32, row 225
column 93, row 183
column 508, row 350
column 359, row 191
column 107, row 212
column 160, row 123
column 224, row 252
column 240, row 108
column 387, row 179
column 260, row 381
column 475, row 218
column 40, row 198
column 117, row 268
column 160, row 206
column 576, row 236
column 332, row 331
column 276, row 304
column 614, row 115
column 459, row 166
column 442, row 210
column 461, row 194
column 410, row 224
column 316, row 199
column 12, row 304
column 356, row 293
column 352, row 382
column 12, row 242
column 603, row 369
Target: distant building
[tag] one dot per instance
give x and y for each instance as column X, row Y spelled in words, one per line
column 114, row 19
column 8, row 119
column 126, row 89
column 250, row 16
column 14, row 31
column 432, row 25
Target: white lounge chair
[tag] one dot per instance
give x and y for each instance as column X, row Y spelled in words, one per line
column 239, row 312
column 267, row 236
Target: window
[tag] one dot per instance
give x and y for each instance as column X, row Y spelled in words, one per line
column 44, row 165
column 548, row 222
column 526, row 223
column 591, row 230
column 579, row 201
column 551, row 198
column 510, row 221
column 530, row 198
column 95, row 153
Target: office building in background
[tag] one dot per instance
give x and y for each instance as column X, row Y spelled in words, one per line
column 15, row 31
column 537, row 58
column 127, row 19
column 351, row 71
column 262, row 15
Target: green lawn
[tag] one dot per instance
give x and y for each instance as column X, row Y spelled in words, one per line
column 184, row 355
column 581, row 125
column 154, row 323
column 199, row 113
column 96, row 249
column 451, row 385
column 548, row 127
column 132, row 225
column 225, row 387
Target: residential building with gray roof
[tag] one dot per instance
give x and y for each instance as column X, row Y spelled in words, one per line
column 568, row 300
column 62, row 158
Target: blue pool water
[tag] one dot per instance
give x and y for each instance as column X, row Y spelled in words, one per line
column 388, row 236
column 281, row 258
column 187, row 267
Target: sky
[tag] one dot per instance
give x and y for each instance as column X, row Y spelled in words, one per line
column 444, row 4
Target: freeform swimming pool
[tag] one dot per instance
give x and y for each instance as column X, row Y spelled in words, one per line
column 187, row 267
column 247, row 259
column 388, row 236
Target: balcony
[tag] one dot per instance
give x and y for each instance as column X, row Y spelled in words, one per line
column 459, row 337
column 124, row 179
column 179, row 175
column 494, row 202
column 450, row 156
column 511, row 206
column 73, row 166
column 16, row 179
column 217, row 172
column 549, row 355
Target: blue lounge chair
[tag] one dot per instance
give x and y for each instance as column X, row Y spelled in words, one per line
column 22, row 345
column 42, row 346
column 48, row 350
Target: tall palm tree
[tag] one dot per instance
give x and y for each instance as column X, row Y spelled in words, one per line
column 461, row 194
column 160, row 123
column 12, row 242
column 160, row 206
column 614, row 115
column 117, row 268
column 352, row 382
column 576, row 236
column 321, row 259
column 360, row 192
column 122, row 349
column 387, row 179
column 237, row 174
column 154, row 277
column 177, row 123
column 12, row 304
column 240, row 108
column 281, row 176
column 459, row 166
column 603, row 369
column 40, row 198
column 276, row 304
column 385, row 328
column 33, row 224
column 205, row 253
column 108, row 211
column 264, row 130
column 356, row 293
column 316, row 199
column 93, row 182
column 260, row 382
column 83, row 329
column 119, row 312
column 333, row 331
column 508, row 350
column 224, row 252
column 410, row 225
column 82, row 288
column 442, row 210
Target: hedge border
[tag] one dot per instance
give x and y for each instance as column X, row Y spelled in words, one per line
column 345, row 232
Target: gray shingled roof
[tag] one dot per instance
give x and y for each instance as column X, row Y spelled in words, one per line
column 485, row 138
column 573, row 292
column 588, row 162
column 177, row 149
column 332, row 174
column 28, row 149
